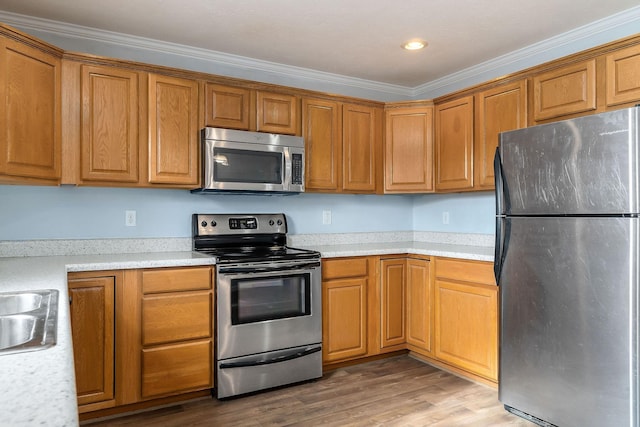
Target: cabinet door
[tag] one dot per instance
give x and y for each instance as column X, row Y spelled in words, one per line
column 466, row 316
column 277, row 113
column 110, row 124
column 321, row 128
column 419, row 303
column 454, row 145
column 227, row 106
column 30, row 112
column 173, row 131
column 92, row 329
column 344, row 319
column 392, row 302
column 623, row 76
column 361, row 137
column 498, row 110
column 408, row 160
column 568, row 90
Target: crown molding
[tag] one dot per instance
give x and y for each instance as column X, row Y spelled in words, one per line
column 543, row 51
column 213, row 57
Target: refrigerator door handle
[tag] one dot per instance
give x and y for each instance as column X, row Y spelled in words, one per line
column 497, row 259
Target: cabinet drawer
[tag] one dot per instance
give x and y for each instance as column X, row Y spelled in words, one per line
column 170, row 318
column 176, row 279
column 344, row 267
column 177, row 368
column 465, row 271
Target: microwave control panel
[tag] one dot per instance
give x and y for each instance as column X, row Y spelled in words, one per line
column 296, row 169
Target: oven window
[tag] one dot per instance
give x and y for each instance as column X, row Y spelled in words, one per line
column 263, row 167
column 269, row 298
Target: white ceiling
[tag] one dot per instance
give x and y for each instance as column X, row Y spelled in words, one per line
column 353, row 38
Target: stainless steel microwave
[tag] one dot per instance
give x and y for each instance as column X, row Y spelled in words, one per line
column 242, row 161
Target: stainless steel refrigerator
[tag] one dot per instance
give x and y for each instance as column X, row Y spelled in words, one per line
column 567, row 263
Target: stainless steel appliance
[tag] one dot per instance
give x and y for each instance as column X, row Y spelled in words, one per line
column 241, row 161
column 567, row 262
column 268, row 303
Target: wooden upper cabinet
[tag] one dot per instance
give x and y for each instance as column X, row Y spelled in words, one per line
column 564, row 91
column 623, row 76
column 227, row 106
column 173, row 131
column 322, row 132
column 454, row 145
column 408, row 155
column 277, row 113
column 30, row 113
column 361, row 140
column 110, row 123
column 499, row 109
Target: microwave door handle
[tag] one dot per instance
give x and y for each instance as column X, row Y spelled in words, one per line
column 286, row 159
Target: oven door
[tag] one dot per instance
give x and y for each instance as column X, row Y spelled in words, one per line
column 267, row 306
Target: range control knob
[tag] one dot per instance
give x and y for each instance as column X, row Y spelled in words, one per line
column 203, row 223
column 213, row 223
column 271, row 222
column 279, row 222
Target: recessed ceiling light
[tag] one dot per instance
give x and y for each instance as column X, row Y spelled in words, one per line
column 414, row 44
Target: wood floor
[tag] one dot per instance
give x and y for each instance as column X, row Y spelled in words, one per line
column 398, row 391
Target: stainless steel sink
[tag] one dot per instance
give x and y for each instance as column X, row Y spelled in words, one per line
column 28, row 320
column 19, row 302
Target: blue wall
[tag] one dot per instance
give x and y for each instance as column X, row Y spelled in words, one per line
column 468, row 212
column 29, row 213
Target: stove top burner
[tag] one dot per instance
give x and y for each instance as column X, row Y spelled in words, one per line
column 245, row 238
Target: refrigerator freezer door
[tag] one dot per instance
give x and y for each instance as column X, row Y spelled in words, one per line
column 569, row 321
column 582, row 166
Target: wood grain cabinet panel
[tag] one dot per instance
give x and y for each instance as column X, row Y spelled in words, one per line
column 408, row 159
column 168, row 318
column 277, row 113
column 454, row 145
column 92, row 329
column 499, row 109
column 344, row 319
column 466, row 318
column 322, row 132
column 176, row 279
column 564, row 91
column 227, row 106
column 30, row 112
column 177, row 368
column 361, row 139
column 623, row 76
column 419, row 305
column 173, row 131
column 392, row 301
column 110, row 124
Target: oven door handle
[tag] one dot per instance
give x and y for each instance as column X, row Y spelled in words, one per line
column 229, row 271
column 295, row 355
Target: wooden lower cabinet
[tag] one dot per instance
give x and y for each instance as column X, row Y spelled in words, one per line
column 139, row 335
column 392, row 302
column 466, row 316
column 91, row 300
column 346, row 284
column 419, row 312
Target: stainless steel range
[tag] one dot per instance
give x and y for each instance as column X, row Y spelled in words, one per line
column 268, row 302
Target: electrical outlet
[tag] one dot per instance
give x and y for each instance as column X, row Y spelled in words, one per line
column 326, row 217
column 445, row 218
column 130, row 218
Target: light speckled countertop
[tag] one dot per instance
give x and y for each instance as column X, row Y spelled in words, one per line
column 38, row 388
